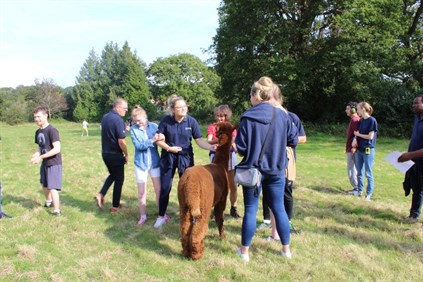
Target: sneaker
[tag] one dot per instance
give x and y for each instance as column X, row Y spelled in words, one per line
column 287, row 255
column 369, row 198
column 356, row 193
column 99, row 200
column 351, row 192
column 271, row 239
column 142, row 221
column 410, row 219
column 113, row 209
column 47, row 204
column 161, row 220
column 234, row 213
column 56, row 213
column 244, row 257
column 264, row 225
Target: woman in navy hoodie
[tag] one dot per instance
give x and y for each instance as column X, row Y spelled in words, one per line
column 254, row 126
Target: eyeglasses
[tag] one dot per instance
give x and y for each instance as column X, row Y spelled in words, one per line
column 181, row 107
column 123, row 108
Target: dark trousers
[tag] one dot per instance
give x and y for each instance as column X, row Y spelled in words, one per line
column 417, row 188
column 115, row 164
column 288, row 200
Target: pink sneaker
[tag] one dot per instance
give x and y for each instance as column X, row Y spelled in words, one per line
column 142, row 221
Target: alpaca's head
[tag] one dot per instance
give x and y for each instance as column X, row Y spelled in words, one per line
column 224, row 132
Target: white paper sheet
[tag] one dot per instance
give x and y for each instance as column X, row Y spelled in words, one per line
column 392, row 158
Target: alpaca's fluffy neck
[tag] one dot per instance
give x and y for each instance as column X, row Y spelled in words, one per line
column 223, row 153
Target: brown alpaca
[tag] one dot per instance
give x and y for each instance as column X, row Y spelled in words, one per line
column 201, row 188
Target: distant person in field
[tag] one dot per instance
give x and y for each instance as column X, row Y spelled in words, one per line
column 146, row 158
column 414, row 176
column 178, row 129
column 114, row 152
column 48, row 140
column 351, row 111
column 224, row 113
column 84, row 128
column 365, row 142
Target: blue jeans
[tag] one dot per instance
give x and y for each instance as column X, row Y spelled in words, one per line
column 365, row 162
column 273, row 187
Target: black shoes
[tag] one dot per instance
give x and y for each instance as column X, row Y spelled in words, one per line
column 234, row 213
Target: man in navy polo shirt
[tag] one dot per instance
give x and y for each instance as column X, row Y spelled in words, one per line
column 414, row 175
column 114, row 152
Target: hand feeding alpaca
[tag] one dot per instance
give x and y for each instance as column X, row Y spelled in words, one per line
column 200, row 188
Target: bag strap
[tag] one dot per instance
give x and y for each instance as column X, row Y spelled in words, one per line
column 267, row 136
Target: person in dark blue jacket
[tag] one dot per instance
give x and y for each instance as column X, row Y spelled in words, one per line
column 252, row 131
column 178, row 129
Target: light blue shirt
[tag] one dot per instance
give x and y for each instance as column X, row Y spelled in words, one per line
column 144, row 147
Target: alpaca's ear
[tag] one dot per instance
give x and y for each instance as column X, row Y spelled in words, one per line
column 235, row 127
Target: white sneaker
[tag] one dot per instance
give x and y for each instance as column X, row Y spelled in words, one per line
column 244, row 257
column 369, row 198
column 161, row 220
column 356, row 193
column 287, row 255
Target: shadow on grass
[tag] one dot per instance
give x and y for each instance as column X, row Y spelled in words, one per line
column 327, row 190
column 361, row 222
column 24, row 202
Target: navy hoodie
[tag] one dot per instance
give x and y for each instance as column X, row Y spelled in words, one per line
column 252, row 131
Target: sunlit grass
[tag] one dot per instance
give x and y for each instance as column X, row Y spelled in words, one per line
column 342, row 238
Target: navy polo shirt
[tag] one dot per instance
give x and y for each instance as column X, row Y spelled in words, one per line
column 365, row 127
column 416, row 141
column 112, row 129
column 180, row 134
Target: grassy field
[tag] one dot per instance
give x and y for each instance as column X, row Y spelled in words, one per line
column 342, row 238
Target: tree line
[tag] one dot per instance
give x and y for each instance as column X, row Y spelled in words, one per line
column 323, row 53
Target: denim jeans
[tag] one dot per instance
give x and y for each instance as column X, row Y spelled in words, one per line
column 351, row 170
column 273, row 187
column 365, row 162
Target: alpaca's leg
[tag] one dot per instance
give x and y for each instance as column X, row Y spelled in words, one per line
column 185, row 229
column 219, row 210
column 199, row 232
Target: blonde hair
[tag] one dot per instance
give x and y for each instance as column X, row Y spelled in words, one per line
column 171, row 101
column 277, row 94
column 366, row 107
column 262, row 89
column 138, row 110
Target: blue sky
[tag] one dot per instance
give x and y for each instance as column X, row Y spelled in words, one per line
column 52, row 38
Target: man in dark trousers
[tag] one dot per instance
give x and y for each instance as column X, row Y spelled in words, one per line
column 414, row 176
column 114, row 152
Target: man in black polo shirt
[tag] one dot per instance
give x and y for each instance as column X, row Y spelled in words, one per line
column 114, row 152
column 414, row 175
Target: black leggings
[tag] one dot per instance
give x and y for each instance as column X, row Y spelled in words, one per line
column 288, row 201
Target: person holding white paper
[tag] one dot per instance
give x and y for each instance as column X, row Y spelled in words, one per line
column 414, row 176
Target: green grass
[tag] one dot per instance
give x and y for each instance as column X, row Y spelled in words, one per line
column 343, row 238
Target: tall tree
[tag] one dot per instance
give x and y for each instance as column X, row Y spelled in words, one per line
column 87, row 91
column 187, row 76
column 50, row 96
column 117, row 73
column 322, row 52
